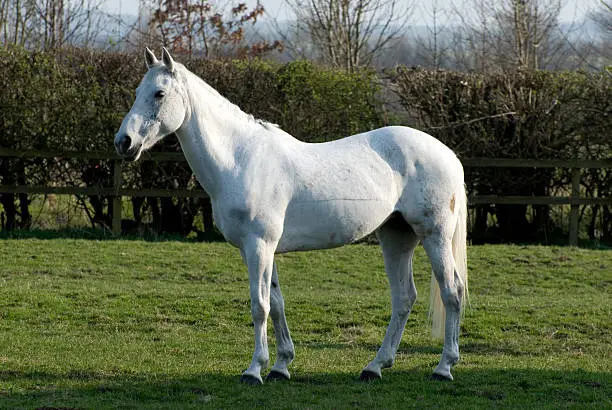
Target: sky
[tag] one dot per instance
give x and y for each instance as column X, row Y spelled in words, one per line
column 573, row 11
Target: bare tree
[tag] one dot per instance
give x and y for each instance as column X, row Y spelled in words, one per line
column 473, row 37
column 345, row 33
column 602, row 16
column 84, row 22
column 17, row 21
column 433, row 47
column 602, row 47
column 511, row 33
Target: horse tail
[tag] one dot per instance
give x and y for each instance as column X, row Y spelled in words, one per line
column 459, row 245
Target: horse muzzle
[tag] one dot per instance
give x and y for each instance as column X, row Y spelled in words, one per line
column 125, row 147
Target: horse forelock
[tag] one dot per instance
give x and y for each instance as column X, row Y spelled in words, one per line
column 156, row 65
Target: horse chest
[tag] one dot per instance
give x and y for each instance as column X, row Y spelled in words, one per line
column 236, row 221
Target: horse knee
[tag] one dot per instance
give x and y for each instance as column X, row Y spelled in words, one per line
column 404, row 304
column 259, row 310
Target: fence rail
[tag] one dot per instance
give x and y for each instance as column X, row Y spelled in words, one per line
column 116, row 191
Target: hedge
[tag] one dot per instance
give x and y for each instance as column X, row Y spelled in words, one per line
column 518, row 114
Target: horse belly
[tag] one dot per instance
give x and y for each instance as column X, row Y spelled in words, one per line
column 330, row 223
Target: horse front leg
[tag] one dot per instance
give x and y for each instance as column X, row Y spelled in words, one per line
column 259, row 258
column 285, row 351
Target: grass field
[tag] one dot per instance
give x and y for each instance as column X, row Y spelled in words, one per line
column 136, row 324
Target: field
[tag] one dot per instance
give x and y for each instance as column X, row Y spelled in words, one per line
column 137, row 324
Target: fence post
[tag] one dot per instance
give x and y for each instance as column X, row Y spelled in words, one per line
column 575, row 208
column 116, row 199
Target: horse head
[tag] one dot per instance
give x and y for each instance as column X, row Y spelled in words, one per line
column 160, row 107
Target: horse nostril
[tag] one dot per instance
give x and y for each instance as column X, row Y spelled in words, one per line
column 123, row 145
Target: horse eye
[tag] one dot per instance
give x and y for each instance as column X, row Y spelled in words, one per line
column 160, row 94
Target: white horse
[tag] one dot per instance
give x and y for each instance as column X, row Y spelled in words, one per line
column 271, row 193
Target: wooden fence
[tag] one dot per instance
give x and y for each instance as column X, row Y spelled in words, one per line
column 116, row 192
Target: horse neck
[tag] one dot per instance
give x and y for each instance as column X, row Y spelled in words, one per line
column 211, row 133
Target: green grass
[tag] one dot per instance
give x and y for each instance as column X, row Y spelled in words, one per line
column 135, row 324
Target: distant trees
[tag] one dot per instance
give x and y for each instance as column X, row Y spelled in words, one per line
column 345, row 33
column 479, row 35
column 49, row 24
column 509, row 33
column 486, row 36
column 602, row 16
column 434, row 44
column 602, row 47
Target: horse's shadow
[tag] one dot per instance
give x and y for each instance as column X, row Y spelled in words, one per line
column 87, row 389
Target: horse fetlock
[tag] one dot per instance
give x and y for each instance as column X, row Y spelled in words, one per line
column 387, row 362
column 286, row 355
column 454, row 359
column 449, row 359
column 263, row 361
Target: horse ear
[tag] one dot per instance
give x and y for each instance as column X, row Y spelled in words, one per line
column 150, row 57
column 167, row 59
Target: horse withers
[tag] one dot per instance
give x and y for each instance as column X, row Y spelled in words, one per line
column 271, row 193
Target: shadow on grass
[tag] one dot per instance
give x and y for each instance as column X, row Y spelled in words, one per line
column 412, row 388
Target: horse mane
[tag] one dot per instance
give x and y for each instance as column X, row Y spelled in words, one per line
column 227, row 104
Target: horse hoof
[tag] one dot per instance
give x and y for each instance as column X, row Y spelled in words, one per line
column 276, row 376
column 368, row 376
column 441, row 377
column 250, row 380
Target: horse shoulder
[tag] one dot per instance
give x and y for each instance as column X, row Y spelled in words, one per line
column 252, row 201
column 238, row 220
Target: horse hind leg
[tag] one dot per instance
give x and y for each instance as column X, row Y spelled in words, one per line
column 398, row 242
column 439, row 250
